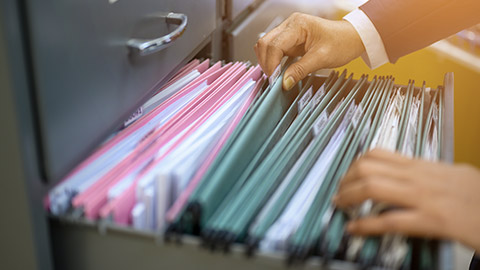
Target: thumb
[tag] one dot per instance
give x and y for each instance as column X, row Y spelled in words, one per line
column 300, row 69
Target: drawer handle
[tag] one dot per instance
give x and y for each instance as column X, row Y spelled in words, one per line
column 148, row 46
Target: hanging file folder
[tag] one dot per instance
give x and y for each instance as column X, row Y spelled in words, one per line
column 219, row 153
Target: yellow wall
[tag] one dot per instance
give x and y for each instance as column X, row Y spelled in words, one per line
column 431, row 66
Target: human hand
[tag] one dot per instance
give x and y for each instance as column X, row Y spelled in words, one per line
column 322, row 43
column 438, row 200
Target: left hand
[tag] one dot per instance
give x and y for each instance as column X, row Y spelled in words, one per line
column 438, row 200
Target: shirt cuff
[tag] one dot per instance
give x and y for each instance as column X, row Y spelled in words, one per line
column 375, row 54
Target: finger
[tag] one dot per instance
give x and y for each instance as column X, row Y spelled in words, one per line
column 257, row 54
column 279, row 44
column 406, row 222
column 262, row 46
column 388, row 157
column 273, row 59
column 400, row 161
column 380, row 189
column 300, row 69
column 365, row 168
column 260, row 51
column 275, row 55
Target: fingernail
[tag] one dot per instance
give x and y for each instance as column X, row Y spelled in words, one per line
column 288, row 83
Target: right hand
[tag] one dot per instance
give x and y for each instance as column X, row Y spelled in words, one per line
column 433, row 199
column 321, row 43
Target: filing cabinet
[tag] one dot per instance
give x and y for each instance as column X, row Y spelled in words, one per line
column 71, row 72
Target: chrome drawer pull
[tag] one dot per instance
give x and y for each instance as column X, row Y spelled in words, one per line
column 145, row 46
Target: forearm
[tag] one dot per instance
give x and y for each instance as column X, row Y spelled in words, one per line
column 409, row 25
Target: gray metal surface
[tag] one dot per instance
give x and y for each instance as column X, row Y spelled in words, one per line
column 446, row 257
column 448, row 149
column 86, row 79
column 156, row 44
column 238, row 6
column 80, row 245
column 24, row 236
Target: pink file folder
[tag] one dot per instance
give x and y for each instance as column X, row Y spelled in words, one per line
column 210, row 79
column 197, row 116
column 96, row 196
column 207, row 75
column 181, row 201
column 185, row 70
column 122, row 206
column 120, row 209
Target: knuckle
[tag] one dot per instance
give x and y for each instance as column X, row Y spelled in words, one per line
column 261, row 42
column 275, row 43
column 296, row 15
column 297, row 19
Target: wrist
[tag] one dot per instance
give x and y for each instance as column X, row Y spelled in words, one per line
column 354, row 41
column 374, row 54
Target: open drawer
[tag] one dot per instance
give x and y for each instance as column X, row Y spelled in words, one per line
column 81, row 244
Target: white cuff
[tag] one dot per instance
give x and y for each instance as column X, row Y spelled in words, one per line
column 375, row 54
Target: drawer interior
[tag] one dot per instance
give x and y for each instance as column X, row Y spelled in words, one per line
column 82, row 244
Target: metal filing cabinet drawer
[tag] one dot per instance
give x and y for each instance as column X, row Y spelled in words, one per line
column 86, row 79
column 82, row 244
column 240, row 5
